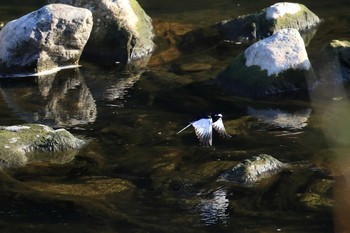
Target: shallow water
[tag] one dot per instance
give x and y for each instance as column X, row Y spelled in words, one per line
column 131, row 119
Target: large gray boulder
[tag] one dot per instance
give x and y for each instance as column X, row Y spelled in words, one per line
column 276, row 64
column 50, row 37
column 19, row 143
column 122, row 31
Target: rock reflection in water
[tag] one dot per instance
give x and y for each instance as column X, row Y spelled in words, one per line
column 112, row 85
column 214, row 210
column 276, row 118
column 61, row 99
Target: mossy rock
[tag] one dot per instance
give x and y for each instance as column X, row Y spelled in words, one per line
column 122, row 31
column 21, row 143
column 244, row 80
column 256, row 26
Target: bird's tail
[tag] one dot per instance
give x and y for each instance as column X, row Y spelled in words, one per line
column 184, row 128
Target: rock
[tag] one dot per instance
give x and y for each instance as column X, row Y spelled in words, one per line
column 256, row 26
column 122, row 31
column 253, row 170
column 333, row 65
column 19, row 142
column 319, row 196
column 273, row 65
column 52, row 36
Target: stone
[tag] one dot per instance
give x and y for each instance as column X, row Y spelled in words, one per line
column 284, row 50
column 334, row 63
column 43, row 40
column 255, row 26
column 276, row 64
column 122, row 31
column 253, row 170
column 19, row 142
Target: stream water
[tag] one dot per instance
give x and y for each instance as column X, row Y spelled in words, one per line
column 131, row 119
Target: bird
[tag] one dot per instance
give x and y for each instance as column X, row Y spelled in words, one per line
column 203, row 127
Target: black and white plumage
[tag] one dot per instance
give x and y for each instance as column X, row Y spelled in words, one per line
column 203, row 128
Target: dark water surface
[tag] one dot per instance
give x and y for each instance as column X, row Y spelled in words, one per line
column 168, row 181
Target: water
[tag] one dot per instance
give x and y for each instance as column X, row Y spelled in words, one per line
column 137, row 175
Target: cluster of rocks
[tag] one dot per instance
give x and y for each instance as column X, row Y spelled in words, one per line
column 56, row 36
column 276, row 60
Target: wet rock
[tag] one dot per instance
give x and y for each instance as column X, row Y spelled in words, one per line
column 122, row 31
column 333, row 65
column 168, row 35
column 276, row 118
column 43, row 40
column 256, row 26
column 318, row 196
column 19, row 142
column 253, row 170
column 277, row 64
column 2, row 24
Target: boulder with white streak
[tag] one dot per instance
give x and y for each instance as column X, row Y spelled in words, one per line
column 51, row 37
column 277, row 64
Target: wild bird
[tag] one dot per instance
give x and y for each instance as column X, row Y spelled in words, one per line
column 203, row 127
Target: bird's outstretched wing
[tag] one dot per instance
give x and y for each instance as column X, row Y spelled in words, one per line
column 203, row 130
column 220, row 128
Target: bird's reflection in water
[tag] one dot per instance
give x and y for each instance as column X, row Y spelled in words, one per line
column 215, row 210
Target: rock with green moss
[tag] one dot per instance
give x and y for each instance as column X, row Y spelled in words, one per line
column 256, row 26
column 122, row 31
column 51, row 37
column 253, row 170
column 276, row 64
column 20, row 143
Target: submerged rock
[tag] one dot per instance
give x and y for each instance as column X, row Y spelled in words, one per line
column 274, row 65
column 18, row 142
column 256, row 26
column 253, row 170
column 122, row 31
column 43, row 40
